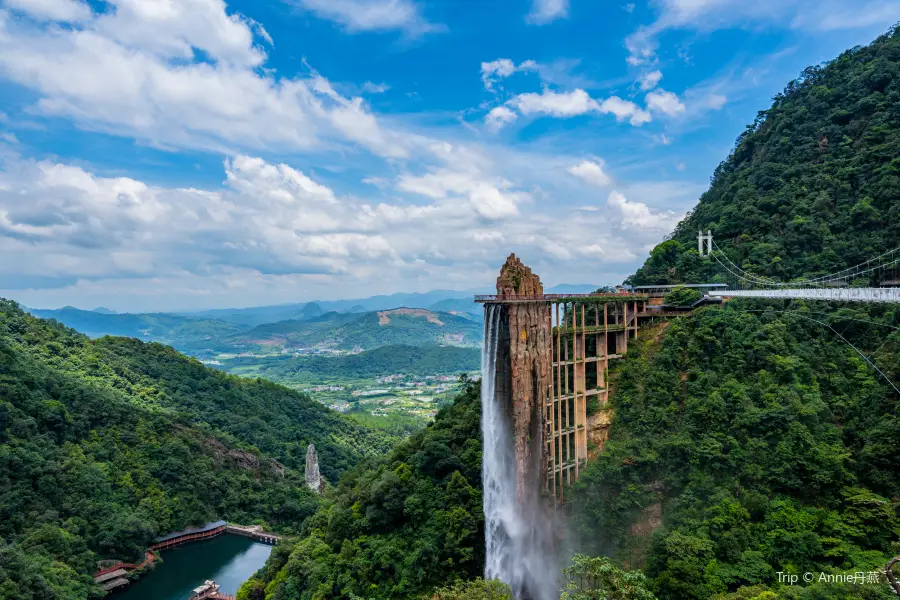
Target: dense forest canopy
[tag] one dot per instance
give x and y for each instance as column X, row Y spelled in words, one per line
column 346, row 331
column 94, row 463
column 748, row 440
column 813, row 184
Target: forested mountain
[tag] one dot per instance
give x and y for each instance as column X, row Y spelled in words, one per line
column 752, row 439
column 749, row 440
column 97, row 457
column 812, row 186
column 278, row 421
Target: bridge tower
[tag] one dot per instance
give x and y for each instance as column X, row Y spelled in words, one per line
column 704, row 238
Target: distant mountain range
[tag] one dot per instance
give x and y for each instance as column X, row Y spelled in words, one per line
column 206, row 337
column 446, row 317
column 185, row 333
column 437, row 300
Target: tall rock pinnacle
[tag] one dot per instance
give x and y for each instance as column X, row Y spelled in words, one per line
column 530, row 364
column 313, row 478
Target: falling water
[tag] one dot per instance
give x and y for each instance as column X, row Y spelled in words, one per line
column 498, row 468
column 517, row 548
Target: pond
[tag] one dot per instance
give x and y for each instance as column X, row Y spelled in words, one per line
column 229, row 559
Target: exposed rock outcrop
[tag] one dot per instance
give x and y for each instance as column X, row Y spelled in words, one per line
column 313, row 478
column 598, row 430
column 530, row 364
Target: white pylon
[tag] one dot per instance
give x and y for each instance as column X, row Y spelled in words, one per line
column 700, row 240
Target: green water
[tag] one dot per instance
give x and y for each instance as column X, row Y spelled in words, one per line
column 229, row 559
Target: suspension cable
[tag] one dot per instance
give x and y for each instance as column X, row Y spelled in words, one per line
column 823, row 279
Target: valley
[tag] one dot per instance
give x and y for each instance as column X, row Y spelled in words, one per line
column 402, row 362
column 400, row 380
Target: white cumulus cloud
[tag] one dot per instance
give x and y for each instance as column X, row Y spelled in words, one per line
column 274, row 233
column 498, row 117
column 591, row 172
column 664, row 102
column 639, row 215
column 556, row 104
column 135, row 71
column 578, row 102
column 650, row 80
column 625, row 109
column 495, row 70
column 547, row 11
column 372, row 15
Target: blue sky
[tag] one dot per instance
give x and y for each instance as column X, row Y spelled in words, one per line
column 179, row 154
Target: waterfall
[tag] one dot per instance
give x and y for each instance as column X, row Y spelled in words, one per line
column 498, row 462
column 518, row 550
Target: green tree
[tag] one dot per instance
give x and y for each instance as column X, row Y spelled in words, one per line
column 599, row 579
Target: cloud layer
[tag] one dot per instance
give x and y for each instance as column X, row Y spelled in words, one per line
column 137, row 71
column 431, row 208
column 273, row 223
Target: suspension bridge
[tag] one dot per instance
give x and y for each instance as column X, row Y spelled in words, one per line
column 874, row 280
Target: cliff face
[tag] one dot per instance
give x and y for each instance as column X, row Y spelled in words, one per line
column 530, row 365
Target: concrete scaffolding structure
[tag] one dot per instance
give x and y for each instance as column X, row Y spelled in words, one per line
column 589, row 331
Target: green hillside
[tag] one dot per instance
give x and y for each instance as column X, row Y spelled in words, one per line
column 812, row 186
column 346, row 331
column 749, row 441
column 96, row 459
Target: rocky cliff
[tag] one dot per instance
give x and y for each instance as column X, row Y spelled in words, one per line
column 530, row 364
